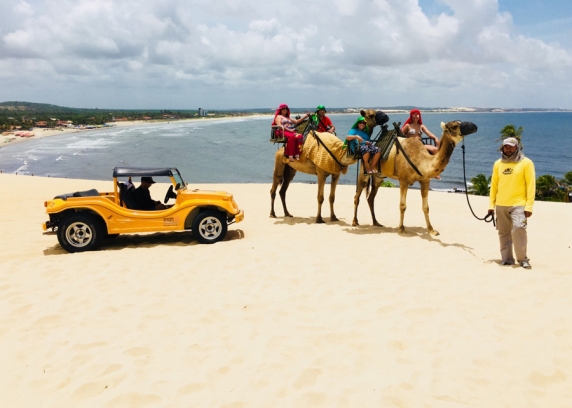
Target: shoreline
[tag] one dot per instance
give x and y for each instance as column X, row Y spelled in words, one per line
column 39, row 133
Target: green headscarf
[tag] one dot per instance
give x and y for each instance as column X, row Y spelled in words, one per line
column 361, row 119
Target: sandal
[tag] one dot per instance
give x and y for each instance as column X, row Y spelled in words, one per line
column 297, row 157
column 290, row 159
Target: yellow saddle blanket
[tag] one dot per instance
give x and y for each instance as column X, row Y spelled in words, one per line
column 388, row 166
column 315, row 152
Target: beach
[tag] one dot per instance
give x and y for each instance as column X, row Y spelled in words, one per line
column 38, row 133
column 286, row 312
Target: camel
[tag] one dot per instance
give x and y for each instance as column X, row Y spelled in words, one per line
column 429, row 166
column 313, row 160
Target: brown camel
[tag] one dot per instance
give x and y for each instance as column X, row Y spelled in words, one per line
column 313, row 160
column 429, row 166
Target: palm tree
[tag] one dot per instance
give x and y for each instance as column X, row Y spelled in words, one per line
column 512, row 131
column 566, row 184
column 548, row 188
column 567, row 179
column 480, row 185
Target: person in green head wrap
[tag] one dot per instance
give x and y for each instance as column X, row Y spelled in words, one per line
column 359, row 135
column 322, row 121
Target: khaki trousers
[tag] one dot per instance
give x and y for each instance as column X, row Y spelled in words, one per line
column 511, row 225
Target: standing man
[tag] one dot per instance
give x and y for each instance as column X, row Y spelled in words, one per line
column 513, row 187
column 324, row 123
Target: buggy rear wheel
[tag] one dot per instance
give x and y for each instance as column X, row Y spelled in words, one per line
column 209, row 227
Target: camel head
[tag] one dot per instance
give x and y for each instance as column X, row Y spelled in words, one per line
column 374, row 118
column 456, row 130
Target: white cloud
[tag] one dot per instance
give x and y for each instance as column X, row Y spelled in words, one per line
column 24, row 9
column 389, row 50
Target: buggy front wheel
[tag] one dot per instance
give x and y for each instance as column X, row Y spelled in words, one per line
column 209, row 227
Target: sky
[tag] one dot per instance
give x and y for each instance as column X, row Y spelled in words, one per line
column 250, row 54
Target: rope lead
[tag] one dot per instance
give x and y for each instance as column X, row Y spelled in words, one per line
column 486, row 218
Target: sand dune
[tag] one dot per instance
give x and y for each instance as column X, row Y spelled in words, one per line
column 285, row 312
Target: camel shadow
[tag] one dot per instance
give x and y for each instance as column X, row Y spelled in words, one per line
column 149, row 241
column 307, row 221
column 410, row 232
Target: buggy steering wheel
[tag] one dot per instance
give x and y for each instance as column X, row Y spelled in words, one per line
column 170, row 194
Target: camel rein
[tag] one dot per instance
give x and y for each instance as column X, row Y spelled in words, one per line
column 486, row 218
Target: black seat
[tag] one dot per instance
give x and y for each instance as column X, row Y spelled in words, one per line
column 277, row 134
column 88, row 193
column 127, row 197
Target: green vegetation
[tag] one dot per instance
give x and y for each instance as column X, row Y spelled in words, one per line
column 480, row 185
column 387, row 183
column 25, row 115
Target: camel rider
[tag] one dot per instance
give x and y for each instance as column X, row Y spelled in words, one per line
column 323, row 123
column 294, row 140
column 359, row 134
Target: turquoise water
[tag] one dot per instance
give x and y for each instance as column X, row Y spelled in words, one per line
column 238, row 150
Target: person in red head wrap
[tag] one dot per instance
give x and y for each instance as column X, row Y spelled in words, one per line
column 414, row 127
column 294, row 140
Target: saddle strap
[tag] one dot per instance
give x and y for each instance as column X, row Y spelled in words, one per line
column 399, row 147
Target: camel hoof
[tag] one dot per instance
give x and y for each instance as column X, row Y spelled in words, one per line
column 401, row 230
column 355, row 223
column 319, row 221
column 434, row 233
column 272, row 215
column 333, row 219
column 288, row 215
column 377, row 224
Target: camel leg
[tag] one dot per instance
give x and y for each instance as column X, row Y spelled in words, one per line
column 277, row 178
column 425, row 199
column 333, row 185
column 375, row 183
column 403, row 187
column 289, row 174
column 361, row 183
column 321, row 182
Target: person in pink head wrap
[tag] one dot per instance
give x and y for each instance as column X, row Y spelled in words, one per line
column 414, row 127
column 294, row 140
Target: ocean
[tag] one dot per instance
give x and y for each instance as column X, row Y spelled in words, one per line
column 239, row 151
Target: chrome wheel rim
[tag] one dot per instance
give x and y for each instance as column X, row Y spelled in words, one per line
column 210, row 228
column 79, row 234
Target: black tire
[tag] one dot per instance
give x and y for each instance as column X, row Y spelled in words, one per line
column 79, row 233
column 110, row 236
column 209, row 227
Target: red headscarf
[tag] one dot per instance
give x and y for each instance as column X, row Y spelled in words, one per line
column 282, row 106
column 411, row 117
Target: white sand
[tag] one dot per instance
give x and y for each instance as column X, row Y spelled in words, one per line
column 285, row 312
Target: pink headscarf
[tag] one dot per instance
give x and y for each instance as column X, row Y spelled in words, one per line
column 282, row 106
column 411, row 117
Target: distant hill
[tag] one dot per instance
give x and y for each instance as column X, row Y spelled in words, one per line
column 39, row 107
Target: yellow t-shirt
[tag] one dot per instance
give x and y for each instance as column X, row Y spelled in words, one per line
column 513, row 184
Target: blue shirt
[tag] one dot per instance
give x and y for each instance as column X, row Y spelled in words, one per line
column 360, row 133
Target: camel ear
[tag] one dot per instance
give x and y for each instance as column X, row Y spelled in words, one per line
column 443, row 125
